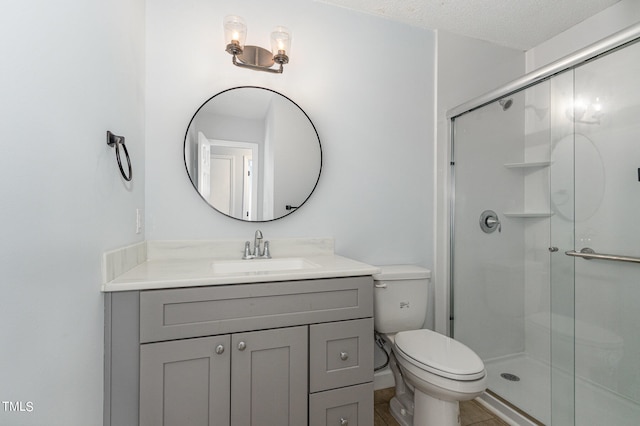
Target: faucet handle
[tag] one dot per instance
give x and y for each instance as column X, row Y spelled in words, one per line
column 247, row 251
column 266, row 254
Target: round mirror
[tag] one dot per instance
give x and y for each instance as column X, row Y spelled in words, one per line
column 252, row 154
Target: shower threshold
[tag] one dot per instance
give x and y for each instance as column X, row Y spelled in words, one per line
column 507, row 411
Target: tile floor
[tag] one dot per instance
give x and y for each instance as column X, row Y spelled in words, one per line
column 471, row 412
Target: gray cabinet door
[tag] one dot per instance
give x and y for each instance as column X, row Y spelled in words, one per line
column 185, row 382
column 269, row 384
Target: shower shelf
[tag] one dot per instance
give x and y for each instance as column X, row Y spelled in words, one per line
column 527, row 165
column 528, row 214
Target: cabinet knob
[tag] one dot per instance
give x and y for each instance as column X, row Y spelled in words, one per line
column 242, row 346
column 344, row 356
column 344, row 422
column 219, row 349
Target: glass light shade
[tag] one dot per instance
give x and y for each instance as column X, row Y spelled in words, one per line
column 235, row 29
column 280, row 40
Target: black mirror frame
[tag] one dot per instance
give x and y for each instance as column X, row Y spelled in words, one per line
column 290, row 208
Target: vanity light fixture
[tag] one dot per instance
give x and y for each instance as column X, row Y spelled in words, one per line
column 255, row 57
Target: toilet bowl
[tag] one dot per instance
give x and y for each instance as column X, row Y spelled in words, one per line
column 442, row 372
column 432, row 372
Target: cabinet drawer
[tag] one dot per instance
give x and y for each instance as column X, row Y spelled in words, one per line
column 193, row 312
column 350, row 406
column 340, row 354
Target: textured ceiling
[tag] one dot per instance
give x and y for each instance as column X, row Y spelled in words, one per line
column 520, row 24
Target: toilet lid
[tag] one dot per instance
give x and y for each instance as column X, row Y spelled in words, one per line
column 439, row 354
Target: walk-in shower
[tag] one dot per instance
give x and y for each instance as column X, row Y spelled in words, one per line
column 551, row 302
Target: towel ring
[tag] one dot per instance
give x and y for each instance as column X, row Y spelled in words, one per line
column 117, row 142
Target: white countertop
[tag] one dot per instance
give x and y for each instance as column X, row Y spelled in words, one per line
column 171, row 273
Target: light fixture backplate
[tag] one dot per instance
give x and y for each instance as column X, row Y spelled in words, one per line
column 256, row 56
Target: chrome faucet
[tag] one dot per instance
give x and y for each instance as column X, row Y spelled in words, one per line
column 256, row 243
column 263, row 253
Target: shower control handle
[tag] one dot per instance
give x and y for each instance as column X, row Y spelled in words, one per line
column 489, row 222
column 492, row 221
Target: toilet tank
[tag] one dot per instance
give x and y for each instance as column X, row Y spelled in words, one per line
column 400, row 298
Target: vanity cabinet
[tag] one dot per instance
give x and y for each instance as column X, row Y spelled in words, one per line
column 277, row 353
column 229, row 379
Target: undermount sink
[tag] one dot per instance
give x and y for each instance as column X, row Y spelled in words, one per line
column 261, row 265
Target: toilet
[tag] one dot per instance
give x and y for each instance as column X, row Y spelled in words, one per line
column 432, row 372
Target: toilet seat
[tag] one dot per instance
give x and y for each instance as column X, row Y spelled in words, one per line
column 439, row 355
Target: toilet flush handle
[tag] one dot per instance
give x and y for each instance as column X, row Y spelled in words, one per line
column 380, row 284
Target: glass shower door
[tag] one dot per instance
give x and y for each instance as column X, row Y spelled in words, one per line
column 606, row 113
column 543, row 178
column 500, row 276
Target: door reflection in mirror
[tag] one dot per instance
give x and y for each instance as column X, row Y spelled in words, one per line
column 225, row 169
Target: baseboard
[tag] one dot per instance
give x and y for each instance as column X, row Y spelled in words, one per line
column 383, row 379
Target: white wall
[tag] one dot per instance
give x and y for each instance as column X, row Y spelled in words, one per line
column 71, row 70
column 372, row 108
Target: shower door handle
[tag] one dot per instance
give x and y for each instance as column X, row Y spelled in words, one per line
column 588, row 254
